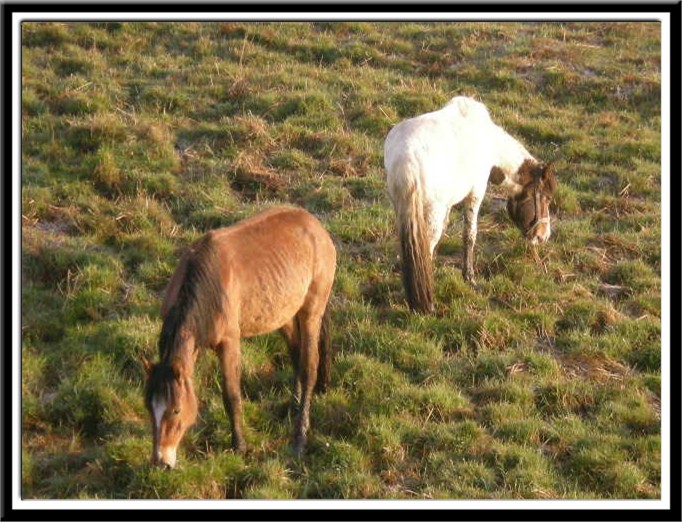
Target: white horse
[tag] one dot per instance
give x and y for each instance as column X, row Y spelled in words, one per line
column 439, row 159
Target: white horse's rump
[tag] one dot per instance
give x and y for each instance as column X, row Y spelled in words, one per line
column 438, row 159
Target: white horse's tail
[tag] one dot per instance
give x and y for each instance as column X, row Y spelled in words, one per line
column 417, row 266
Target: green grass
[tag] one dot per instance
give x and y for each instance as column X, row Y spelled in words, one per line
column 544, row 382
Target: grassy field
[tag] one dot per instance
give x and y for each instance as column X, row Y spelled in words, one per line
column 544, row 382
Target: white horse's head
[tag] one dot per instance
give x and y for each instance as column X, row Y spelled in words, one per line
column 529, row 198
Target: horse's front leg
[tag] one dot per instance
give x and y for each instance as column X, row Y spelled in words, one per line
column 472, row 206
column 230, row 356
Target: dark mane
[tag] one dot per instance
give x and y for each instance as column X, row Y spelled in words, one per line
column 199, row 299
column 160, row 384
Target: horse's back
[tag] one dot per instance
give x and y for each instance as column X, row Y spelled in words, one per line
column 468, row 109
column 274, row 229
column 272, row 262
column 460, row 123
column 445, row 150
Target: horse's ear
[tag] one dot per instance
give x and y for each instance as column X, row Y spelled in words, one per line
column 549, row 170
column 147, row 365
column 549, row 176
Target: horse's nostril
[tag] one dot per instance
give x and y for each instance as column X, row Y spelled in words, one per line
column 157, row 459
column 163, row 464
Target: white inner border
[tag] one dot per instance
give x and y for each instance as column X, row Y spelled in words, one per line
column 664, row 503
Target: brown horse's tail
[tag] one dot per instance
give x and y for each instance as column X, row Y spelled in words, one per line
column 324, row 368
column 414, row 244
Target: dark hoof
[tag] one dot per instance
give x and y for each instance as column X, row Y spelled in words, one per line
column 470, row 279
column 239, row 447
column 298, row 447
column 422, row 308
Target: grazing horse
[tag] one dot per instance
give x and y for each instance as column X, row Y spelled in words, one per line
column 273, row 271
column 439, row 159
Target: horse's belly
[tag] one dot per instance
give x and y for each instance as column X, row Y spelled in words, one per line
column 269, row 313
column 449, row 182
column 450, row 165
column 446, row 192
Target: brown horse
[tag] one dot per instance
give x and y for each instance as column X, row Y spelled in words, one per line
column 272, row 271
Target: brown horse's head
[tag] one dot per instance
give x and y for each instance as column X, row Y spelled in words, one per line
column 172, row 404
column 528, row 205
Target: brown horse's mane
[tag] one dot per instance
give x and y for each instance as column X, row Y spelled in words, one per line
column 199, row 299
column 160, row 384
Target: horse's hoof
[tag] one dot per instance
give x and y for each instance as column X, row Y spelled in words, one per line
column 427, row 308
column 239, row 447
column 298, row 447
column 469, row 278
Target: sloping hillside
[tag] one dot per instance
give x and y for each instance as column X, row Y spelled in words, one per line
column 544, row 382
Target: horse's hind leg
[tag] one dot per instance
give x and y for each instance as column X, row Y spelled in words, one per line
column 472, row 205
column 437, row 218
column 229, row 353
column 291, row 334
column 309, row 325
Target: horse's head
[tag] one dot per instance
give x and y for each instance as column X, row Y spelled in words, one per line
column 172, row 404
column 529, row 199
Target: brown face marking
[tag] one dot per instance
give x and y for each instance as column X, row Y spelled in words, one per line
column 529, row 208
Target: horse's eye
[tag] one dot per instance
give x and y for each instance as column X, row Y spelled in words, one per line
column 176, row 412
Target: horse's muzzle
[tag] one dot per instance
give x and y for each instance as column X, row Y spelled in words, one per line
column 165, row 460
column 539, row 232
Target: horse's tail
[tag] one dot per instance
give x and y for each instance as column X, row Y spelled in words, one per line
column 324, row 367
column 415, row 252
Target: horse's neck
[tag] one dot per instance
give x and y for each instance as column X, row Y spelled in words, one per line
column 509, row 153
column 184, row 350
